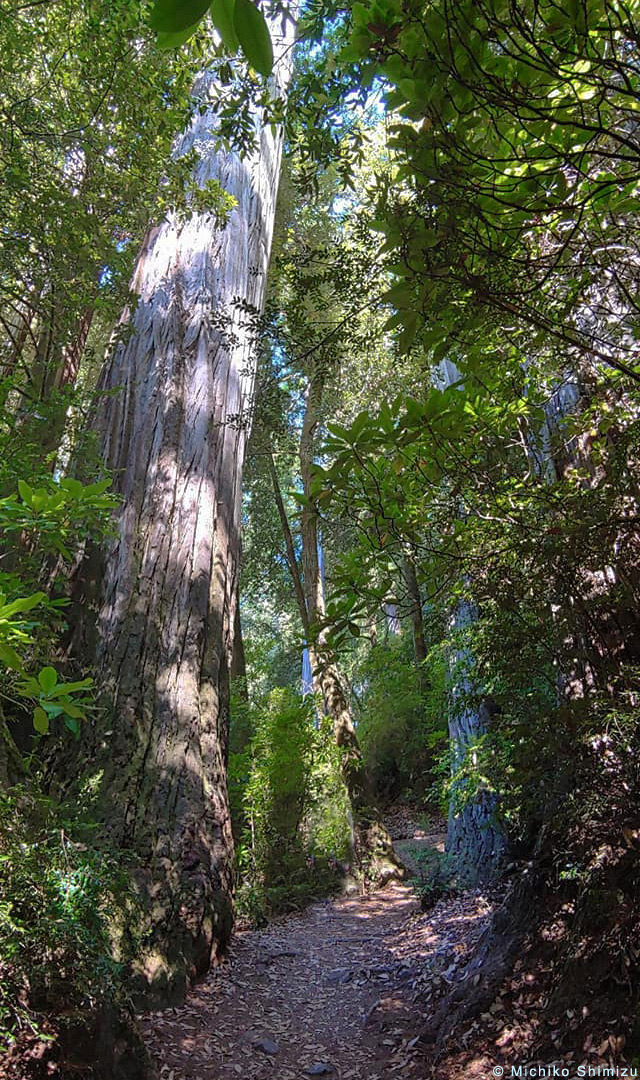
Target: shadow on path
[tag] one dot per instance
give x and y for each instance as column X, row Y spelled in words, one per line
column 332, row 991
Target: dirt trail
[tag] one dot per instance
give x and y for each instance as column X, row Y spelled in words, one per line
column 334, row 991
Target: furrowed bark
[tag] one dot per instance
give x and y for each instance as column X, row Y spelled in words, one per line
column 173, row 423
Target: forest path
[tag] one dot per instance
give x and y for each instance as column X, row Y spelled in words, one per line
column 332, row 991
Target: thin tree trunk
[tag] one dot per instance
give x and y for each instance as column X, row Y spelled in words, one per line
column 292, row 560
column 174, row 435
column 17, row 336
column 310, row 596
column 372, row 844
column 67, row 371
column 238, row 663
column 417, row 622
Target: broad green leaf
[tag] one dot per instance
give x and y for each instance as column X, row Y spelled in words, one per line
column 10, row 658
column 73, row 710
column 360, row 423
column 51, row 710
column 407, row 337
column 253, row 33
column 174, row 41
column 400, row 295
column 103, row 485
column 222, row 12
column 71, row 687
column 74, row 487
column 338, row 432
column 26, row 492
column 40, row 720
column 25, row 603
column 171, row 16
column 40, row 500
column 48, row 678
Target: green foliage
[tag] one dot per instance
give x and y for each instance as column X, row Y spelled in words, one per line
column 56, row 699
column 452, row 478
column 510, row 157
column 278, row 791
column 401, row 723
column 49, row 521
column 91, row 108
column 431, row 873
column 62, row 942
column 240, row 24
column 295, row 808
column 58, row 516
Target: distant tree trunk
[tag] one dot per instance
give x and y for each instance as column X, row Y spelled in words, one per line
column 390, row 609
column 474, row 841
column 238, row 663
column 417, row 622
column 17, row 324
column 67, row 371
column 173, row 422
column 325, row 673
column 371, row 841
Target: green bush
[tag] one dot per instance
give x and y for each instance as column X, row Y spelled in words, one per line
column 296, row 833
column 432, row 874
column 42, row 527
column 66, row 916
column 402, row 726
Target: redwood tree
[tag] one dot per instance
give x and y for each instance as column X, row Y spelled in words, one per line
column 173, row 425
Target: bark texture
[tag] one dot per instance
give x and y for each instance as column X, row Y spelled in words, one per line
column 474, row 842
column 174, row 424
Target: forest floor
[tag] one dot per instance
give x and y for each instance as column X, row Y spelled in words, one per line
column 336, row 990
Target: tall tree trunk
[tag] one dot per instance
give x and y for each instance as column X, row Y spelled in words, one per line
column 310, row 596
column 372, row 845
column 174, row 424
column 474, row 841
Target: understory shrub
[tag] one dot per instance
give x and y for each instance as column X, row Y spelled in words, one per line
column 402, row 723
column 432, row 874
column 296, row 830
column 67, row 919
